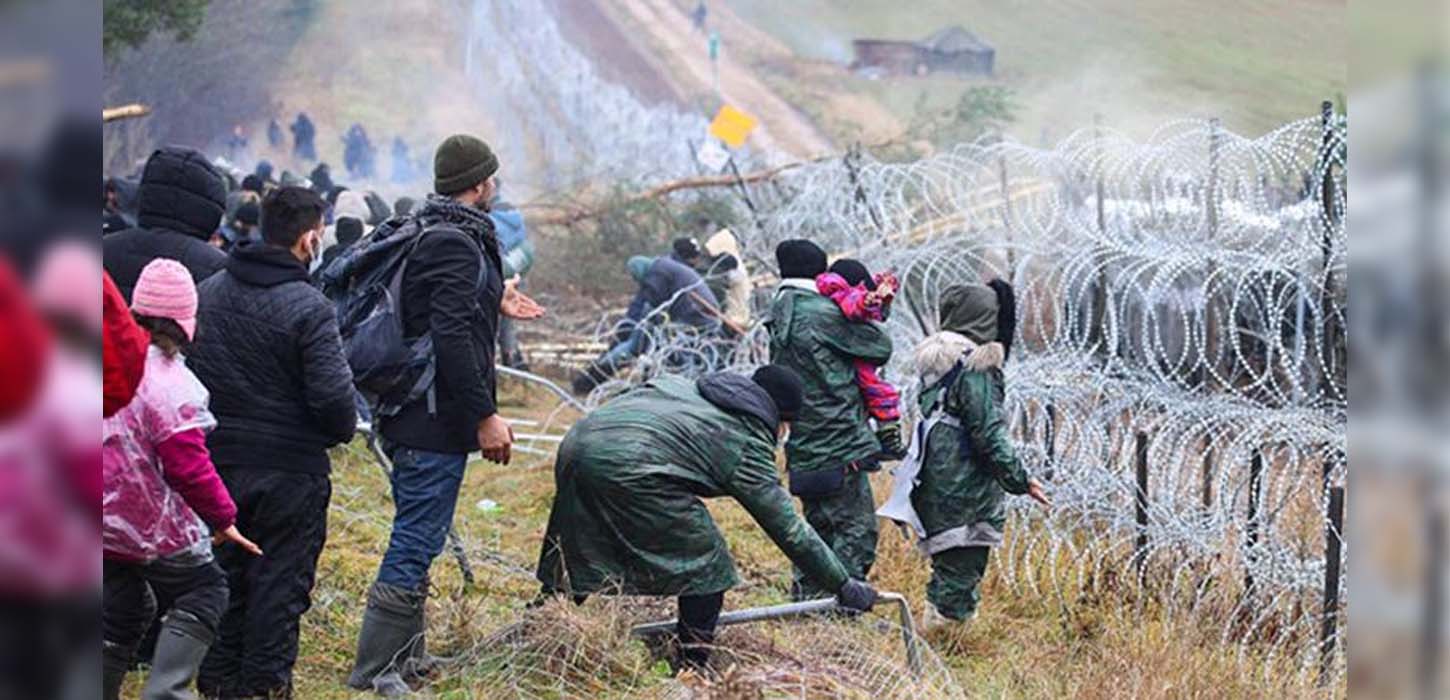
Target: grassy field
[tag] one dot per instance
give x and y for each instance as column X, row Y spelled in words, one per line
column 1082, row 645
column 1253, row 64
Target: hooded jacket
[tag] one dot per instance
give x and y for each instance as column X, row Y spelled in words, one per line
column 627, row 514
column 268, row 350
column 180, row 204
column 668, row 281
column 809, row 334
column 968, row 463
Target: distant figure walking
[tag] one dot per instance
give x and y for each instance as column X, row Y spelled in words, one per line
column 357, row 153
column 303, row 136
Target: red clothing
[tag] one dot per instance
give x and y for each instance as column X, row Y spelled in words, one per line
column 882, row 400
column 24, row 349
column 124, row 352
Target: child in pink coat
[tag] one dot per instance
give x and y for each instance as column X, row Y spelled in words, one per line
column 162, row 502
column 865, row 298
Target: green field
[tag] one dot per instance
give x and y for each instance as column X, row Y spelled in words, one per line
column 1254, row 64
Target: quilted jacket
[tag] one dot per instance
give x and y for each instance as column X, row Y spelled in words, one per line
column 182, row 198
column 268, row 350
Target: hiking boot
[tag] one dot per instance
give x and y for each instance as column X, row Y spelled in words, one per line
column 889, row 435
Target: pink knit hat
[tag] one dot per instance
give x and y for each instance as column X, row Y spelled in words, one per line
column 165, row 290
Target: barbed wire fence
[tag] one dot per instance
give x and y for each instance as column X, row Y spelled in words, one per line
column 1179, row 378
column 1178, row 381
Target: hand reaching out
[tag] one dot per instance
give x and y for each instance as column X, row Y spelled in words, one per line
column 516, row 304
column 231, row 534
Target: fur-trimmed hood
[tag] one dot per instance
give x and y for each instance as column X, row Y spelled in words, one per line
column 936, row 354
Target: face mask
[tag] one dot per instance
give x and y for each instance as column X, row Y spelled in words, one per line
column 314, row 254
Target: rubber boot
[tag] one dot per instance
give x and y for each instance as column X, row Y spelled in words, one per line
column 391, row 625
column 421, row 665
column 180, row 647
column 115, row 662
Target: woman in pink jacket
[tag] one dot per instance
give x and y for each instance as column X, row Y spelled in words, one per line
column 162, row 501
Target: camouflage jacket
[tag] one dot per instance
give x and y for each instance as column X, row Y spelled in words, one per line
column 809, row 334
column 628, row 515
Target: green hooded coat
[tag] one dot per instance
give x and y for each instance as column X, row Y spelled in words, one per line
column 809, row 334
column 627, row 514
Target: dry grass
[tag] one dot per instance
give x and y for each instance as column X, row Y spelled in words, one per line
column 1078, row 643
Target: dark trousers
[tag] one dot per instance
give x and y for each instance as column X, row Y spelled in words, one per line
column 285, row 513
column 425, row 494
column 696, row 628
column 846, row 522
column 192, row 583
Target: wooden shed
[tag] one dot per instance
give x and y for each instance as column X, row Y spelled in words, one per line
column 950, row 50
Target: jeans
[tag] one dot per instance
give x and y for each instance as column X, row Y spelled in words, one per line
column 624, row 350
column 285, row 513
column 425, row 493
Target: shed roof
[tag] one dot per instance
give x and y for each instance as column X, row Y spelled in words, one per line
column 955, row 39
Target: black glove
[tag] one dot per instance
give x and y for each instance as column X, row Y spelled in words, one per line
column 856, row 595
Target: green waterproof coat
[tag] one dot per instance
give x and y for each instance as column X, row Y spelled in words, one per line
column 967, row 462
column 809, row 334
column 628, row 516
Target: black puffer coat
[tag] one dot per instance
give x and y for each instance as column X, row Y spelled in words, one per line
column 180, row 204
column 268, row 350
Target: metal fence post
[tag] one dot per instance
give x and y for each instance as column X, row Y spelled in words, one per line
column 1140, row 505
column 1329, row 623
column 1251, row 527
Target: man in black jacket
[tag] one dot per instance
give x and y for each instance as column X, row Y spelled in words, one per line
column 267, row 348
column 453, row 290
column 181, row 201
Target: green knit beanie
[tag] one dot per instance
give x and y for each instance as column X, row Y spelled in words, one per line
column 461, row 162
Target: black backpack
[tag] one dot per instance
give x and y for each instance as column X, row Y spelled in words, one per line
column 366, row 285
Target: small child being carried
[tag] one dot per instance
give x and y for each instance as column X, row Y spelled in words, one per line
column 864, row 298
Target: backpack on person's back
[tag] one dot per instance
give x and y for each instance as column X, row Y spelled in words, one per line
column 366, row 283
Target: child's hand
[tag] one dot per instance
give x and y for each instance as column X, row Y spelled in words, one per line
column 231, row 534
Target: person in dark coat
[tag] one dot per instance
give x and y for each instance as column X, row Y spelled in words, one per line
column 357, row 152
column 274, row 134
column 628, row 515
column 180, row 204
column 268, row 350
column 303, row 135
column 454, row 291
column 321, row 177
column 669, row 290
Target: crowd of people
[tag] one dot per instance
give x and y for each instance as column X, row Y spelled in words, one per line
column 274, row 314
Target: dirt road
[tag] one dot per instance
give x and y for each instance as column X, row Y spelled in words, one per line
column 782, row 127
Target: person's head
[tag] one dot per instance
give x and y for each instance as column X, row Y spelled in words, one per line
column 263, row 171
column 164, row 303
column 984, row 313
column 65, row 289
column 854, row 272
column 686, row 250
column 464, row 169
column 180, row 191
column 292, row 218
column 638, row 267
column 798, row 257
column 349, row 231
column 785, row 390
column 252, row 183
column 248, row 215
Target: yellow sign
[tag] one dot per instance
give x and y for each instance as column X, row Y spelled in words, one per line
column 732, row 126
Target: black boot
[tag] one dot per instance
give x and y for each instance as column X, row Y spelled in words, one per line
column 115, row 661
column 592, row 376
column 695, row 630
column 391, row 626
column 180, row 648
column 889, row 435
